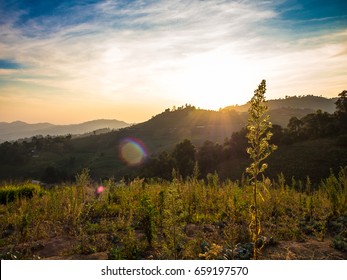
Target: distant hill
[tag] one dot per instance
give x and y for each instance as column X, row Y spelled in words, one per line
column 281, row 110
column 184, row 123
column 166, row 129
column 172, row 126
column 18, row 130
column 100, row 152
column 309, row 102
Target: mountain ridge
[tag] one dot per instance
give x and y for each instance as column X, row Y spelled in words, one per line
column 280, row 110
column 312, row 102
column 101, row 152
column 10, row 131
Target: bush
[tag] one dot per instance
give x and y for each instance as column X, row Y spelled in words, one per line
column 10, row 193
column 340, row 243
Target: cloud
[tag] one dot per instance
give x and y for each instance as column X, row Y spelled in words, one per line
column 168, row 51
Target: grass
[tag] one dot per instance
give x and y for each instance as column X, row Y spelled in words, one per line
column 189, row 219
column 10, row 193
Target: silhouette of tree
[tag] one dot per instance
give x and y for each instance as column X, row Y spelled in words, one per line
column 184, row 156
column 278, row 134
column 341, row 103
column 236, row 145
column 341, row 113
column 208, row 156
column 294, row 125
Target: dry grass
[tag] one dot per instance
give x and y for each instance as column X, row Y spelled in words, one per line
column 174, row 220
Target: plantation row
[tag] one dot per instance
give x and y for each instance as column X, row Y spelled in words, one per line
column 181, row 219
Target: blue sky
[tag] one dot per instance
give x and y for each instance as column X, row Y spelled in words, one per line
column 71, row 61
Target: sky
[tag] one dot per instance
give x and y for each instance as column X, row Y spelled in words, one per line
column 65, row 61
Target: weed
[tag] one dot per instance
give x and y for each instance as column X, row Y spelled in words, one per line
column 172, row 220
column 258, row 137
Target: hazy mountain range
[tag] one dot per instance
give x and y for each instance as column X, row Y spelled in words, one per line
column 18, row 130
column 200, row 124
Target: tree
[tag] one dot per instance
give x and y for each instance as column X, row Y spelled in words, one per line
column 160, row 166
column 278, row 134
column 237, row 144
column 209, row 156
column 258, row 137
column 341, row 103
column 184, row 156
column 295, row 125
column 341, row 113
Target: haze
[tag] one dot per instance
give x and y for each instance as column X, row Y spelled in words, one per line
column 72, row 61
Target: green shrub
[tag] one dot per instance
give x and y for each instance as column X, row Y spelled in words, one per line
column 336, row 190
column 340, row 243
column 10, row 193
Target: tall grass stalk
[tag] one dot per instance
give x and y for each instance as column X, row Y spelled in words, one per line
column 258, row 136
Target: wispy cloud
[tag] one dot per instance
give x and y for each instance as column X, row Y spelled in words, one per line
column 164, row 53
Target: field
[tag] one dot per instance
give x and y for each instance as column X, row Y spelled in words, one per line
column 178, row 219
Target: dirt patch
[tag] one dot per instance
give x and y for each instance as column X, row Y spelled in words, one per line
column 58, row 246
column 308, row 250
column 62, row 248
column 283, row 250
column 95, row 256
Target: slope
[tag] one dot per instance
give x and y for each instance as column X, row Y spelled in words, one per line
column 17, row 130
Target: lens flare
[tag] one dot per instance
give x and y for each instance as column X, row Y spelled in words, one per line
column 132, row 151
column 99, row 189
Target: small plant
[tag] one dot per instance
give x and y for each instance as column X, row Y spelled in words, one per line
column 115, row 253
column 83, row 180
column 213, row 180
column 258, row 136
column 173, row 226
column 340, row 243
column 213, row 253
column 147, row 211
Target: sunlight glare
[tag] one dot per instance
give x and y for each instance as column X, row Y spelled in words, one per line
column 215, row 80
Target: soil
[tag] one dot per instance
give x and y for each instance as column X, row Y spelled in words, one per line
column 308, row 250
column 61, row 248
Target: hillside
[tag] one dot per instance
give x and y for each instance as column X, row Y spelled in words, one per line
column 194, row 124
column 100, row 153
column 183, row 123
column 308, row 102
column 61, row 158
column 281, row 110
column 17, row 130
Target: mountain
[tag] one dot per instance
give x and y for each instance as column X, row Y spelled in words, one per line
column 168, row 128
column 195, row 125
column 64, row 157
column 102, row 154
column 308, row 102
column 17, row 130
column 281, row 110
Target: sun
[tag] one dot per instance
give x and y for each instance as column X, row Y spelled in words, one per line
column 214, row 80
